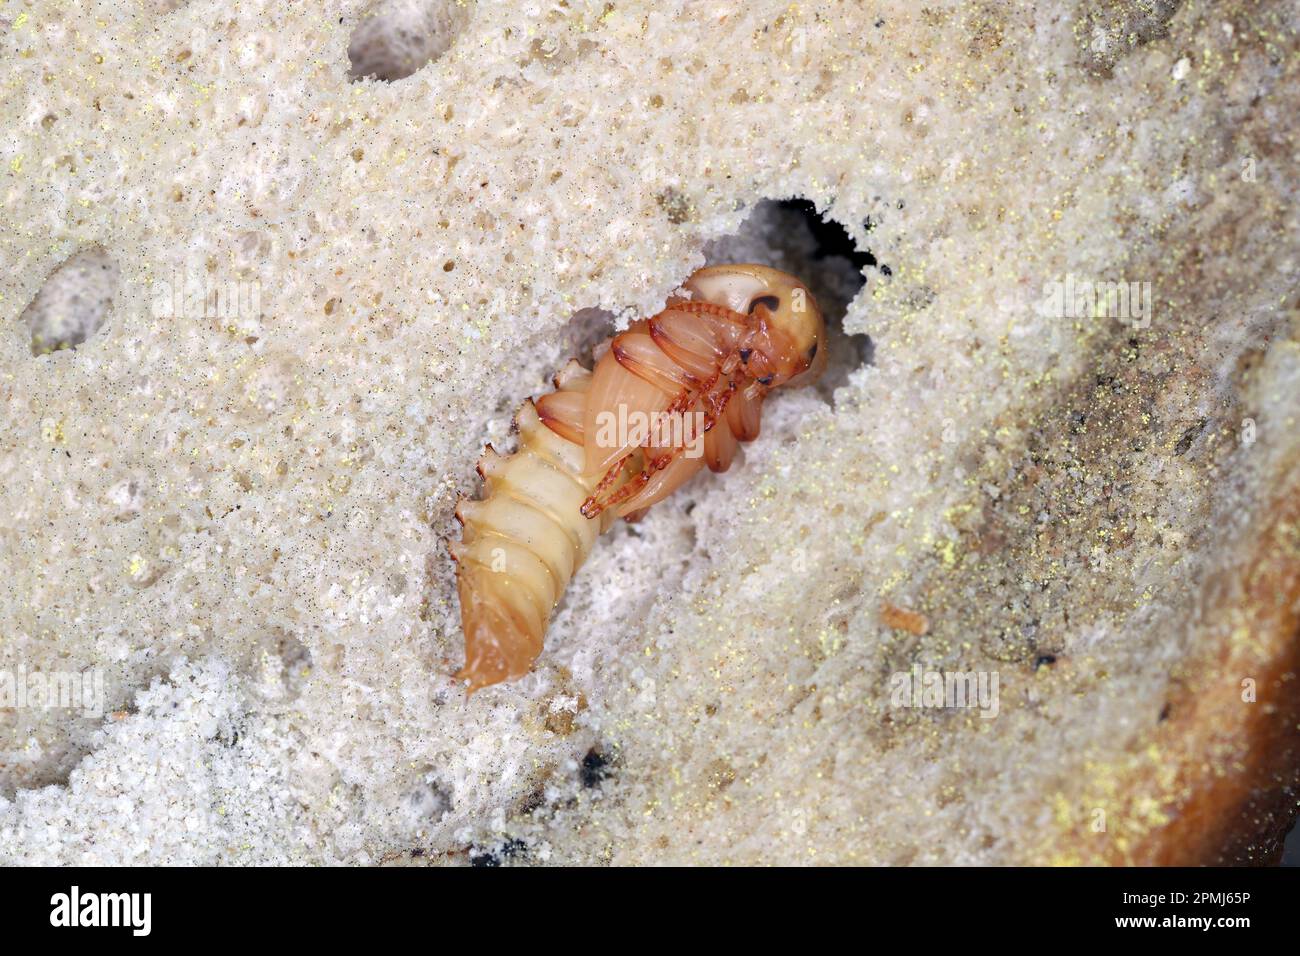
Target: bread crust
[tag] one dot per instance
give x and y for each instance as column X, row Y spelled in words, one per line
column 1221, row 775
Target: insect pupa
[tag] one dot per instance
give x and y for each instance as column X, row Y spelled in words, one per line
column 674, row 393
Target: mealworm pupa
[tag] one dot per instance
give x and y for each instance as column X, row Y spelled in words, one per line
column 690, row 379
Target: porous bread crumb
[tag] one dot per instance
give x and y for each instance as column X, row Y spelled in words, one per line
column 238, row 513
column 184, row 779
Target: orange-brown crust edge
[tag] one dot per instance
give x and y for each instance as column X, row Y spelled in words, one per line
column 1232, row 794
column 1242, row 816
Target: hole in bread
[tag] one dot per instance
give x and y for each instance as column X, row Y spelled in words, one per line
column 397, row 37
column 74, row 301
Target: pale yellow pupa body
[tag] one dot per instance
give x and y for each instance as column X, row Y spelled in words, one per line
column 709, row 358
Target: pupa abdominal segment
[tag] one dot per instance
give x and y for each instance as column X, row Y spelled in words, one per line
column 672, row 394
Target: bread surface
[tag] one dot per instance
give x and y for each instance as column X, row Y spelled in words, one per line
column 238, row 515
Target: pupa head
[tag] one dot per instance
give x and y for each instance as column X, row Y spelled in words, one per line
column 781, row 306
